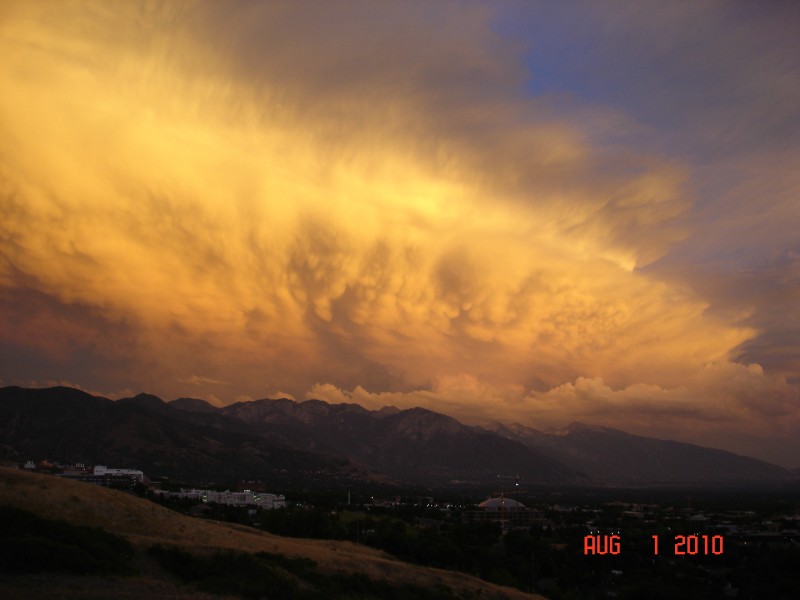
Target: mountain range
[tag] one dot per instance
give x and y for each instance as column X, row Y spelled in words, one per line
column 614, row 456
column 68, row 425
column 295, row 441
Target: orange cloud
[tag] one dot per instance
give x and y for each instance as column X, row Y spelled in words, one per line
column 351, row 213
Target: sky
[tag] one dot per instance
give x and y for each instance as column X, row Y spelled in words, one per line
column 533, row 212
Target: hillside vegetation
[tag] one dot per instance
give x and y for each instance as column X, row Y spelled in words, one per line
column 146, row 525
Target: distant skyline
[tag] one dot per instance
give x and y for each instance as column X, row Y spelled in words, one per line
column 540, row 212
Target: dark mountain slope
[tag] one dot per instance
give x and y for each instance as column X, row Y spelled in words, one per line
column 621, row 457
column 414, row 445
column 320, row 442
column 143, row 432
column 193, row 405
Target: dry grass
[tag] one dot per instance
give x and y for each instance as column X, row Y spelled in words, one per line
column 145, row 523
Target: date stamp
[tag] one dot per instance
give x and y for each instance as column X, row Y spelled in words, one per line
column 682, row 545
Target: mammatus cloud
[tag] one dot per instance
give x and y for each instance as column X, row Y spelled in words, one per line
column 200, row 189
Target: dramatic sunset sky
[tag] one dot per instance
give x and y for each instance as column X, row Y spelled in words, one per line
column 539, row 212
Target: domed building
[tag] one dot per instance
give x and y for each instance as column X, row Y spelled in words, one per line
column 510, row 513
column 501, row 503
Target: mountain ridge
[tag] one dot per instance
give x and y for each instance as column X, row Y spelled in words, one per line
column 72, row 426
column 622, row 457
column 604, row 453
column 414, row 445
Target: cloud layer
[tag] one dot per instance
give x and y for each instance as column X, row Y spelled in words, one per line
column 366, row 203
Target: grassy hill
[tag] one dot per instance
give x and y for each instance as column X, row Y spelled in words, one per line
column 146, row 525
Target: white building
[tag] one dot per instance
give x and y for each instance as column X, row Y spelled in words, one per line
column 103, row 471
